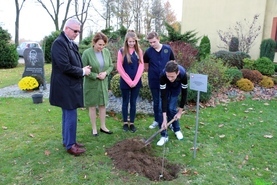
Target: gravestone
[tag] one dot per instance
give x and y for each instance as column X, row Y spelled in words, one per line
column 34, row 64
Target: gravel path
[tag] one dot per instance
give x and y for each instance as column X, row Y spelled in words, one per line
column 143, row 106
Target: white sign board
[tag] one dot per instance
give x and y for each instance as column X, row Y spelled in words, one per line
column 198, row 82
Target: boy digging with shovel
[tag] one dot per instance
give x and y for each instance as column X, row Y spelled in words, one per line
column 173, row 81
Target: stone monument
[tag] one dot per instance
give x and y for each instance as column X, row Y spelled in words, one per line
column 34, row 65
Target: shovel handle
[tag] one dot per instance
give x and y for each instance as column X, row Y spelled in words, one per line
column 159, row 131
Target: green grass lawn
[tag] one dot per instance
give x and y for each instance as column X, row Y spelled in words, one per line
column 236, row 141
column 237, row 145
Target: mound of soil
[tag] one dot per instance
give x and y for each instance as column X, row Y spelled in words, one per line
column 134, row 157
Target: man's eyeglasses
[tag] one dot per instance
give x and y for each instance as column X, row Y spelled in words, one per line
column 75, row 31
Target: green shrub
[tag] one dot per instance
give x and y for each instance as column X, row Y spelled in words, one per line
column 204, row 96
column 115, row 85
column 204, row 48
column 267, row 82
column 245, row 84
column 144, row 92
column 47, row 44
column 248, row 63
column 234, row 44
column 265, row 66
column 8, row 55
column 253, row 75
column 234, row 59
column 173, row 35
column 267, row 49
column 215, row 69
column 233, row 74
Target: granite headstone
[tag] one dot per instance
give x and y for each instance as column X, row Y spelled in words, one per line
column 34, row 64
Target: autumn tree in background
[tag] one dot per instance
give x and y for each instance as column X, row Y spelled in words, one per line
column 170, row 17
column 18, row 7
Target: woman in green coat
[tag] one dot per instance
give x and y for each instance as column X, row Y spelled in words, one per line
column 96, row 84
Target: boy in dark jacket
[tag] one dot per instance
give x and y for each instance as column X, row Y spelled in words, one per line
column 173, row 81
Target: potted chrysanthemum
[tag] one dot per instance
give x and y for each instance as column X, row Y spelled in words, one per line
column 28, row 83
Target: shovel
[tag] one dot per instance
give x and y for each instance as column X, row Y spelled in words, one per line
column 150, row 139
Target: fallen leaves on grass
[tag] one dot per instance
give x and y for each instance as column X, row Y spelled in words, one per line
column 192, row 148
column 47, row 152
column 31, row 135
column 4, row 128
column 268, row 136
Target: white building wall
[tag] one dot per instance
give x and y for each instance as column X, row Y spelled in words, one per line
column 208, row 16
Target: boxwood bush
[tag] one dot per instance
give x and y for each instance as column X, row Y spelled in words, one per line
column 144, row 92
column 233, row 74
column 265, row 66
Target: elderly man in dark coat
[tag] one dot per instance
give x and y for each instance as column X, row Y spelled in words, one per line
column 66, row 87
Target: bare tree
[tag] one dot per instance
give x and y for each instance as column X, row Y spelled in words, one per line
column 147, row 18
column 158, row 14
column 138, row 5
column 54, row 13
column 245, row 32
column 107, row 11
column 18, row 9
column 119, row 11
column 81, row 12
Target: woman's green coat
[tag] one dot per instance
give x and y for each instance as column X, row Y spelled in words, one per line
column 96, row 90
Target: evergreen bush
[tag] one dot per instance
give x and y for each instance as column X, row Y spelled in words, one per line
column 248, row 63
column 245, row 84
column 265, row 66
column 47, row 44
column 8, row 54
column 233, row 74
column 115, row 85
column 275, row 67
column 267, row 49
column 267, row 82
column 233, row 59
column 204, row 48
column 234, row 44
column 253, row 75
column 145, row 92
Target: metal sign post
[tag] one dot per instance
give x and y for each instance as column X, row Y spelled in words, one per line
column 198, row 83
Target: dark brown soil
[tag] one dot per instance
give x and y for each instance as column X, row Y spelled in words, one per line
column 134, row 157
